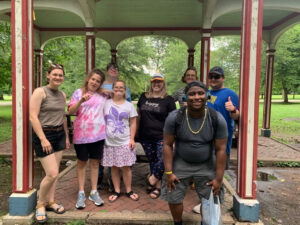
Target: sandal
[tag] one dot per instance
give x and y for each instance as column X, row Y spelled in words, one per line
column 131, row 196
column 115, row 194
column 37, row 213
column 150, row 187
column 49, row 207
column 155, row 192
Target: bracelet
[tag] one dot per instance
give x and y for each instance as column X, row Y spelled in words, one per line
column 233, row 111
column 168, row 172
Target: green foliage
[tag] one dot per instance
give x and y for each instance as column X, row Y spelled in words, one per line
column 260, row 163
column 287, row 164
column 76, row 222
column 5, row 123
column 5, row 59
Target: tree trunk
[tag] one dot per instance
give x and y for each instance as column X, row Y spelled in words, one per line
column 285, row 95
column 1, row 96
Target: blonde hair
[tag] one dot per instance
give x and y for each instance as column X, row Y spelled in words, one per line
column 99, row 72
column 163, row 94
column 121, row 81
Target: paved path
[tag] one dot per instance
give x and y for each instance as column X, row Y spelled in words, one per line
column 146, row 210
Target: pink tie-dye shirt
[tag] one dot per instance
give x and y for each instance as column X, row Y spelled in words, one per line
column 89, row 124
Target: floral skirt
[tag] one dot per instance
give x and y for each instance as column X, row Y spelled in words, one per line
column 118, row 156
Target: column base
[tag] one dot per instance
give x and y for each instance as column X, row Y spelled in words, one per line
column 265, row 132
column 22, row 204
column 246, row 209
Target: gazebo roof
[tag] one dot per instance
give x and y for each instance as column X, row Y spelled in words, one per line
column 116, row 20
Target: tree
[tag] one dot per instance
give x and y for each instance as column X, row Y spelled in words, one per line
column 5, row 59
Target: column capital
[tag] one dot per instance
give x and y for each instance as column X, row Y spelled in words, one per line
column 39, row 51
column 114, row 51
column 191, row 51
column 90, row 33
column 206, row 31
column 270, row 51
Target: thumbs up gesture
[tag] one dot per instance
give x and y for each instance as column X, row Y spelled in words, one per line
column 229, row 106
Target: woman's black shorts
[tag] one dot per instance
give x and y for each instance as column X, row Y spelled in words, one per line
column 89, row 150
column 57, row 140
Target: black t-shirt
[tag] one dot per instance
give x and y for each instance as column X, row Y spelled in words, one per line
column 153, row 112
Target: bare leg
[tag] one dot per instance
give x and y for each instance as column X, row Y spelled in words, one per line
column 176, row 211
column 127, row 178
column 51, row 193
column 115, row 175
column 94, row 170
column 81, row 168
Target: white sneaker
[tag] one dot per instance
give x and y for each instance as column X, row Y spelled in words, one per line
column 196, row 209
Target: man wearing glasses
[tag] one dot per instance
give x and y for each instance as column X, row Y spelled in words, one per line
column 112, row 76
column 225, row 101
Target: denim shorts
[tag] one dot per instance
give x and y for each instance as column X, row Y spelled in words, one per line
column 89, row 150
column 57, row 140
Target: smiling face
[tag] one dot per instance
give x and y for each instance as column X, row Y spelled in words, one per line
column 190, row 76
column 196, row 98
column 157, row 85
column 94, row 83
column 113, row 72
column 119, row 89
column 56, row 77
column 216, row 81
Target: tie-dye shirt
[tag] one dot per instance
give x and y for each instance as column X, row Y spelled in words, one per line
column 89, row 124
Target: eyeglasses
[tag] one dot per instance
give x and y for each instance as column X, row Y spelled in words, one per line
column 114, row 68
column 214, row 76
column 190, row 75
column 54, row 65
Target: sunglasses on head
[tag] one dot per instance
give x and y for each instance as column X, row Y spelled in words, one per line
column 214, row 76
column 54, row 65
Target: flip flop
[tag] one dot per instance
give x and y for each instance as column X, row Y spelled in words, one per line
column 130, row 195
column 37, row 213
column 59, row 206
column 117, row 194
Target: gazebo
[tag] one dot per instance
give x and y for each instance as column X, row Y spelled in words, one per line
column 36, row 22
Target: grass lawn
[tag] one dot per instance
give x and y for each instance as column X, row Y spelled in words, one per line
column 285, row 122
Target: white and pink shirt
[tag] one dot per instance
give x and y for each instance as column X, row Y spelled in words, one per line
column 89, row 124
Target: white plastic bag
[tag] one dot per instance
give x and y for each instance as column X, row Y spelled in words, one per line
column 211, row 211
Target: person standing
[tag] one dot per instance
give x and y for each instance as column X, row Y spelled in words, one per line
column 153, row 109
column 200, row 134
column 50, row 137
column 89, row 133
column 225, row 101
column 189, row 75
column 112, row 71
column 120, row 118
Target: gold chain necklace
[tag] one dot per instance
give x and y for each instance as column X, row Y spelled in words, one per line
column 188, row 123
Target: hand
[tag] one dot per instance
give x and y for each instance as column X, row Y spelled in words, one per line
column 229, row 106
column 171, row 181
column 86, row 97
column 47, row 147
column 67, row 143
column 131, row 144
column 215, row 186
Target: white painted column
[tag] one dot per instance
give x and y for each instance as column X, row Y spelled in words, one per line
column 38, row 67
column 90, row 51
column 205, row 56
column 266, row 131
column 246, row 207
column 22, row 82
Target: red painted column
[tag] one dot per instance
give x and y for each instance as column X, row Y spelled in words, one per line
column 22, row 82
column 90, row 51
column 114, row 55
column 268, row 93
column 191, row 57
column 251, row 39
column 38, row 67
column 205, row 56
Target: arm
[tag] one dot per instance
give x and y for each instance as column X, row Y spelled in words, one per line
column 34, row 110
column 220, row 146
column 132, row 121
column 171, row 178
column 66, row 128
